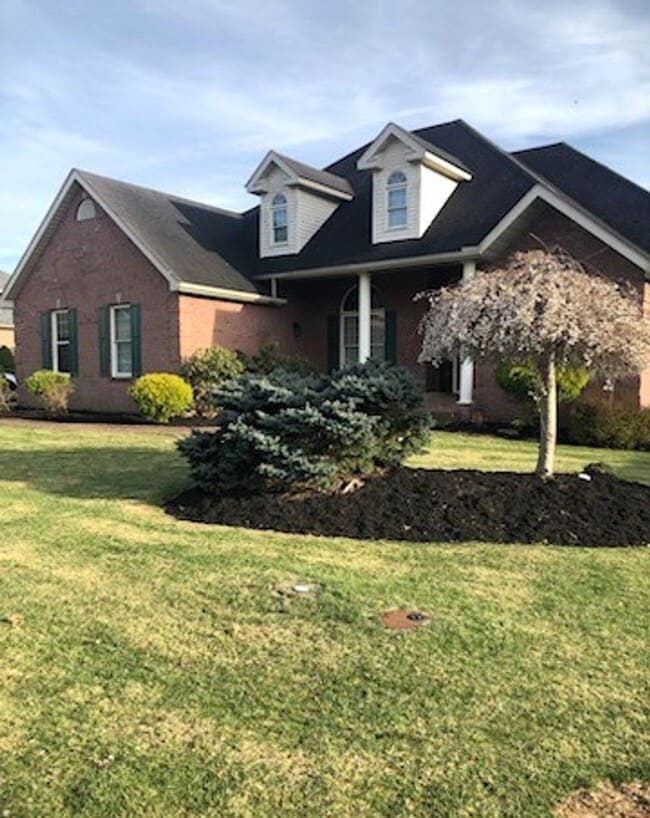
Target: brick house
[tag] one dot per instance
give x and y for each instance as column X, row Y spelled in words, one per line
column 120, row 279
column 6, row 315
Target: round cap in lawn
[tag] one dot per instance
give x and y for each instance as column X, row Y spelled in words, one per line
column 404, row 620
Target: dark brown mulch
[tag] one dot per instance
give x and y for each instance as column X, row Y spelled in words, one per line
column 441, row 506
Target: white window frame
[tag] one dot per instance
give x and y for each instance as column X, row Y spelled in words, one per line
column 278, row 207
column 115, row 373
column 392, row 187
column 376, row 312
column 54, row 338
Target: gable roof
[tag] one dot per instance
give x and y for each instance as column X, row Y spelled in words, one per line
column 204, row 249
column 474, row 208
column 195, row 246
column 422, row 150
column 299, row 173
column 615, row 200
column 4, row 277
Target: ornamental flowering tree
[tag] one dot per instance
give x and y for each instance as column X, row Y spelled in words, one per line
column 540, row 307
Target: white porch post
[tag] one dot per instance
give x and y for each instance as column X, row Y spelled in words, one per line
column 466, row 385
column 364, row 317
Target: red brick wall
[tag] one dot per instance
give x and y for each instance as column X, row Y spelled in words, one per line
column 87, row 265
column 205, row 322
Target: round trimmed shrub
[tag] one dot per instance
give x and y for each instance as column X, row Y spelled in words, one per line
column 523, row 381
column 52, row 388
column 206, row 370
column 161, row 396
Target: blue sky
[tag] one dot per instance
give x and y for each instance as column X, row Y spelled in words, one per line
column 188, row 95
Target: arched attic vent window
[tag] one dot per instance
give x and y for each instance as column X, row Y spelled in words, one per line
column 396, row 200
column 279, row 220
column 86, row 210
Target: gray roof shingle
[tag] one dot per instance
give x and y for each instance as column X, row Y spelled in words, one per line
column 321, row 177
column 206, row 245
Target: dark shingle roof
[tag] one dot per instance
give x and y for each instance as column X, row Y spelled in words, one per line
column 199, row 243
column 612, row 198
column 471, row 212
column 202, row 244
column 321, row 177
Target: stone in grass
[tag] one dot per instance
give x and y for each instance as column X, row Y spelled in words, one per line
column 292, row 588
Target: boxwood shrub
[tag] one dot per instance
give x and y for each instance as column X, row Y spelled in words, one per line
column 161, row 396
column 599, row 424
column 52, row 388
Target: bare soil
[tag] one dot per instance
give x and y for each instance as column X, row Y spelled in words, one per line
column 607, row 801
column 424, row 505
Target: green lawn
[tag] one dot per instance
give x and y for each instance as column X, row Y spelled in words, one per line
column 156, row 672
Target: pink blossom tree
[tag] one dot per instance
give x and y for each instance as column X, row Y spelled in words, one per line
column 540, row 307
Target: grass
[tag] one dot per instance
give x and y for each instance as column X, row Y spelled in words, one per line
column 156, row 672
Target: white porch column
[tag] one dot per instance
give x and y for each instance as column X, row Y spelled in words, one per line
column 466, row 374
column 364, row 317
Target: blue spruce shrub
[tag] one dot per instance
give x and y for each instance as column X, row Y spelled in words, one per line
column 286, row 431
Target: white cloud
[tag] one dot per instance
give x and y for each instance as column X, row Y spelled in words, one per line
column 188, row 96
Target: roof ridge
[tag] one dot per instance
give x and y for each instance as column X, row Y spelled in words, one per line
column 175, row 197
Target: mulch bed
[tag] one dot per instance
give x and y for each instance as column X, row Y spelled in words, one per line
column 423, row 505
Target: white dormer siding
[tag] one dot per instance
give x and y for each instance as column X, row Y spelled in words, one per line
column 431, row 178
column 311, row 198
column 426, row 193
column 276, row 182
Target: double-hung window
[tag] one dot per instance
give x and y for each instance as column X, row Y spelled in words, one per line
column 121, row 341
column 396, row 200
column 61, row 346
column 279, row 219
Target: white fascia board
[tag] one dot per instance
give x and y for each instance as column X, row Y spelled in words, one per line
column 441, row 165
column 577, row 215
column 377, row 266
column 224, row 294
column 329, row 191
column 75, row 177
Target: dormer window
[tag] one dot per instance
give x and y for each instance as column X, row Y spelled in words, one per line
column 86, row 210
column 279, row 220
column 396, row 200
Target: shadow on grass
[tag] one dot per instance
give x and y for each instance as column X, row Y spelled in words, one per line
column 112, row 473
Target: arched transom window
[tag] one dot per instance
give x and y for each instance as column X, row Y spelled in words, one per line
column 396, row 200
column 279, row 219
column 86, row 210
column 349, row 353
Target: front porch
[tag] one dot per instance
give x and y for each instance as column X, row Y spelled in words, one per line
column 350, row 318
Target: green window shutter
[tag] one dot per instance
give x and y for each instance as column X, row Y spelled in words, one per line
column 74, row 348
column 390, row 337
column 46, row 340
column 104, row 342
column 136, row 345
column 333, row 343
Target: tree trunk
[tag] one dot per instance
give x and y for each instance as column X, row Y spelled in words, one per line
column 548, row 421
